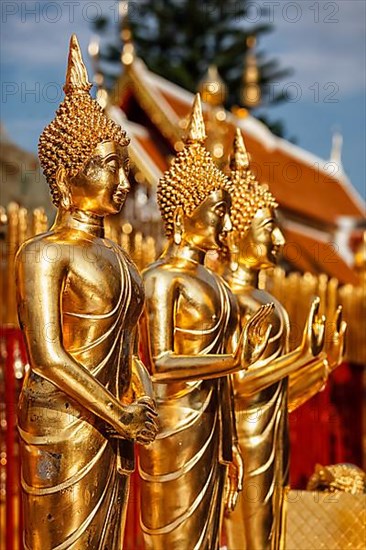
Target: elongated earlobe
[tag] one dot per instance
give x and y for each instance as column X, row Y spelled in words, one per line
column 63, row 188
column 178, row 226
column 177, row 237
column 233, row 251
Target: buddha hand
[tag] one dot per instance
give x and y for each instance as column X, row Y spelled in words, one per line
column 255, row 335
column 314, row 332
column 234, row 482
column 138, row 422
column 335, row 344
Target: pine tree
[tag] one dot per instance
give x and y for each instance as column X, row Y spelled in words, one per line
column 180, row 39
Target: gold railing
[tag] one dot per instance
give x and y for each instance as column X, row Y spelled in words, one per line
column 295, row 291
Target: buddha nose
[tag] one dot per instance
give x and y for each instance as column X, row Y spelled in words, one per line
column 123, row 181
column 278, row 237
column 227, row 224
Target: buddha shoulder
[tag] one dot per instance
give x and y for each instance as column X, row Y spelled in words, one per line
column 179, row 277
column 42, row 253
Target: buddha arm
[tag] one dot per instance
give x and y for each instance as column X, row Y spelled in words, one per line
column 170, row 366
column 264, row 373
column 39, row 287
column 141, row 384
column 157, row 327
column 308, row 381
column 267, row 371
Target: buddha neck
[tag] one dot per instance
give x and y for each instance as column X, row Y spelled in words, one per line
column 87, row 222
column 243, row 276
column 185, row 251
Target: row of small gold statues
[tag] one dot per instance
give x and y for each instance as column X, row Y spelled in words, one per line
column 206, row 387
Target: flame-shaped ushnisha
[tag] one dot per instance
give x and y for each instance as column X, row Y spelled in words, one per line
column 78, row 127
column 196, row 132
column 76, row 74
column 192, row 175
column 247, row 194
column 239, row 160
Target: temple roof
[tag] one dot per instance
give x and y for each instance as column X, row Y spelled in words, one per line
column 312, row 193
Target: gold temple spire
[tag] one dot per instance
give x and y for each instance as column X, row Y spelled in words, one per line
column 196, row 132
column 251, row 92
column 239, row 160
column 212, row 88
column 102, row 94
column 360, row 258
column 76, row 74
column 128, row 49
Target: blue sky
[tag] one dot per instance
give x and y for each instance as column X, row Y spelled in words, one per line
column 322, row 41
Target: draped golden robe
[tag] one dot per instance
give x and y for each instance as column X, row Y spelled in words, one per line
column 184, row 471
column 262, row 429
column 74, row 479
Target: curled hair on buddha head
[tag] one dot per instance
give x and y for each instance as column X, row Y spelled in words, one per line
column 192, row 175
column 247, row 194
column 78, row 127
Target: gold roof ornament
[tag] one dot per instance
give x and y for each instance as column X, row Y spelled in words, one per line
column 212, row 87
column 192, row 175
column 360, row 257
column 102, row 94
column 128, row 49
column 213, row 92
column 79, row 125
column 247, row 194
column 251, row 91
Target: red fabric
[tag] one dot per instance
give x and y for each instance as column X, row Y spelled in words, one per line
column 310, row 426
column 347, row 399
column 133, row 533
column 328, row 428
column 12, row 340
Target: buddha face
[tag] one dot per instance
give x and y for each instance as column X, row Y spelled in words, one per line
column 102, row 185
column 209, row 222
column 261, row 246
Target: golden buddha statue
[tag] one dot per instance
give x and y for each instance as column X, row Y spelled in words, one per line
column 189, row 333
column 261, row 395
column 85, row 398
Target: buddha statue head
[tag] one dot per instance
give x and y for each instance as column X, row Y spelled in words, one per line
column 256, row 239
column 193, row 195
column 83, row 154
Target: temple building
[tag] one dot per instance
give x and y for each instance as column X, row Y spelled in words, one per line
column 21, row 178
column 321, row 212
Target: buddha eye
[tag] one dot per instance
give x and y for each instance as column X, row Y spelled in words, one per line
column 220, row 211
column 268, row 226
column 112, row 165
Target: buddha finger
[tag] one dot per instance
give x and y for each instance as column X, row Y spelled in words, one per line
column 150, row 416
column 148, row 407
column 151, row 426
